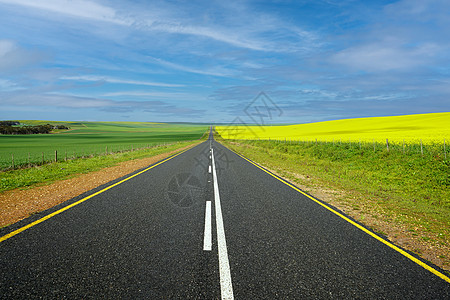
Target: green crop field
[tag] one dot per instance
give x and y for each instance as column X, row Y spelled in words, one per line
column 90, row 139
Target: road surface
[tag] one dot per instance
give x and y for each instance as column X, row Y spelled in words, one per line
column 205, row 224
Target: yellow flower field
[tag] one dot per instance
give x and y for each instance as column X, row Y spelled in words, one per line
column 430, row 128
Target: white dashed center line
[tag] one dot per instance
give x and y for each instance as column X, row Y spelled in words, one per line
column 207, row 237
column 226, row 287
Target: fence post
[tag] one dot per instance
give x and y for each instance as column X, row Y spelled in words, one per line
column 421, row 147
column 387, row 144
column 106, row 150
column 56, row 155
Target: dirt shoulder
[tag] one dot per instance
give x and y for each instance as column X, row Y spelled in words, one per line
column 350, row 203
column 18, row 204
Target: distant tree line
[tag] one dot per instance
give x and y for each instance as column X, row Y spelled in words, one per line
column 9, row 123
column 10, row 127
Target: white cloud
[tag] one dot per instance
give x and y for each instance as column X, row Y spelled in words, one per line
column 6, row 47
column 385, row 57
column 9, row 86
column 420, row 10
column 79, row 8
column 97, row 78
column 242, row 28
column 13, row 57
column 407, row 35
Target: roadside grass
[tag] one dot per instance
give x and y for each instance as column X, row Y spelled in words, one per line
column 404, row 188
column 89, row 139
column 48, row 173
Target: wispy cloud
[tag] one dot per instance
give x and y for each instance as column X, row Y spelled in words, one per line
column 146, row 94
column 248, row 34
column 75, row 102
column 218, row 71
column 97, row 78
column 224, row 36
column 8, row 86
column 53, row 100
column 80, row 8
column 386, row 57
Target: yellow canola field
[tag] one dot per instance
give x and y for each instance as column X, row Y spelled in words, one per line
column 430, row 128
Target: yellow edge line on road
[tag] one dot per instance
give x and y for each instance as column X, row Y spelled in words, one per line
column 15, row 232
column 404, row 253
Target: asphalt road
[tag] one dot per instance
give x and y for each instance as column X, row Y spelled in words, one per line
column 145, row 238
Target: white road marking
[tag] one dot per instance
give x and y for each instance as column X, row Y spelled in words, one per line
column 226, row 287
column 209, row 169
column 207, row 237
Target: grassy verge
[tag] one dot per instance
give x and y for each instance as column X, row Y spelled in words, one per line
column 409, row 190
column 48, row 173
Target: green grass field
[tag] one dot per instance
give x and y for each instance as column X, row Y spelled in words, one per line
column 48, row 173
column 90, row 139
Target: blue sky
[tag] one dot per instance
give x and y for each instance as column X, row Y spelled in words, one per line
column 206, row 61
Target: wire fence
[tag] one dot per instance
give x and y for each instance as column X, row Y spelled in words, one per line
column 23, row 158
column 436, row 149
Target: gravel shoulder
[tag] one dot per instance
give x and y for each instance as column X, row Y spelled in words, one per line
column 19, row 204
